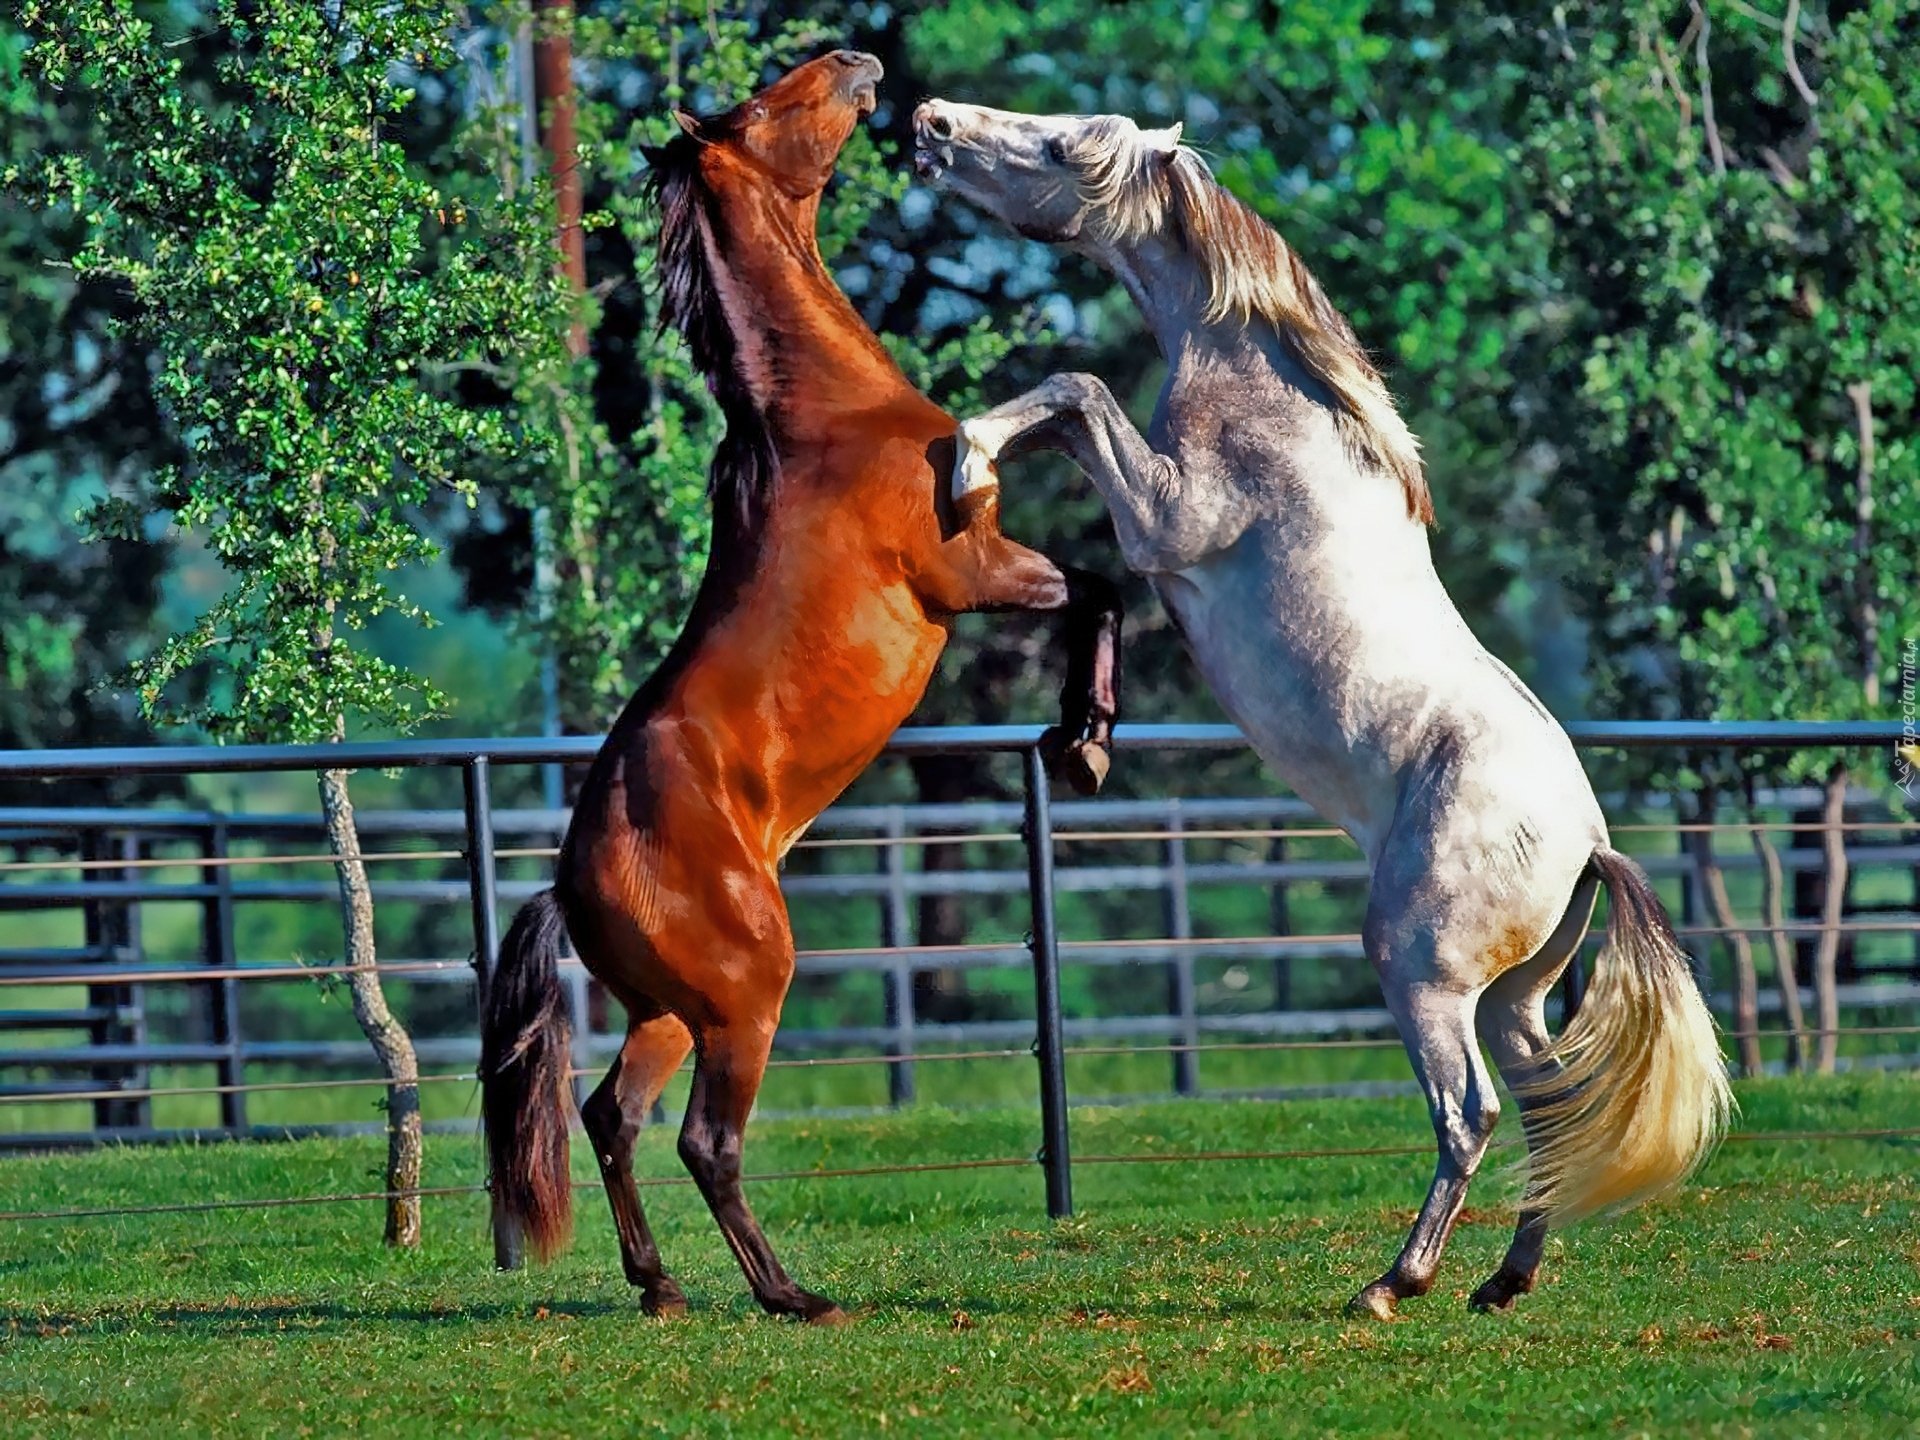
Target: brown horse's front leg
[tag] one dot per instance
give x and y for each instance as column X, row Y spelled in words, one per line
column 1081, row 745
column 979, row 568
column 726, row 1077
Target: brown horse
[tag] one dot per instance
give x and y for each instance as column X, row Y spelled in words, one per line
column 839, row 557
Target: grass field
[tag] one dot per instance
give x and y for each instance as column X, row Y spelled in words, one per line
column 1779, row 1296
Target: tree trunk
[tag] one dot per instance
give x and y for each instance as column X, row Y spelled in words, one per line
column 391, row 1045
column 1833, row 845
column 1772, row 884
column 1746, row 985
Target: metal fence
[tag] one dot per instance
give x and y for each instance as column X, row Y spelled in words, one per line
column 117, row 856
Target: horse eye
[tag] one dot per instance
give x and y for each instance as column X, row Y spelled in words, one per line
column 1056, row 150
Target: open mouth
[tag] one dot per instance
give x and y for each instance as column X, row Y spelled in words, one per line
column 932, row 152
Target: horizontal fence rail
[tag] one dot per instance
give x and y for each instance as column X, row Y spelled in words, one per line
column 129, row 858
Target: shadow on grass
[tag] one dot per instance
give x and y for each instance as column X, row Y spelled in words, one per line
column 308, row 1315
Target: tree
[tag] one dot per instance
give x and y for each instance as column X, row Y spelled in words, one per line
column 77, row 417
column 1728, row 387
column 300, row 283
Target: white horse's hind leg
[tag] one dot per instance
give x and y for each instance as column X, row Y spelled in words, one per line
column 1436, row 1022
column 1513, row 1022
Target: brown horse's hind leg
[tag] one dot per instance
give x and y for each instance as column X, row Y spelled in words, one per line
column 613, row 1116
column 1513, row 1023
column 726, row 1077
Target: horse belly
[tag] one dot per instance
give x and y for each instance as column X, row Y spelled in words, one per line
column 1278, row 692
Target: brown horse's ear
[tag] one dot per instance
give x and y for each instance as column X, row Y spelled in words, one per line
column 687, row 123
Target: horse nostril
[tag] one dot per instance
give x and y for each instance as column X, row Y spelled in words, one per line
column 940, row 125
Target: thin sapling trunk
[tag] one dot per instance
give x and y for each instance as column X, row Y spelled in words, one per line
column 1833, row 848
column 1746, row 984
column 391, row 1045
column 1772, row 886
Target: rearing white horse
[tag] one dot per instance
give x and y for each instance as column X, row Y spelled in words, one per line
column 1279, row 506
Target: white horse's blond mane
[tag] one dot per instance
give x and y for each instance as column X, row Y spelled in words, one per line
column 1134, row 187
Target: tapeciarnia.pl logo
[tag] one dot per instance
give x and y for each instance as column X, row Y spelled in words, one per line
column 1906, row 763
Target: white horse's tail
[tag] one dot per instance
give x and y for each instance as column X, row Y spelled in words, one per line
column 1640, row 1094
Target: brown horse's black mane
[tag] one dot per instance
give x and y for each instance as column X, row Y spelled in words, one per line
column 746, row 469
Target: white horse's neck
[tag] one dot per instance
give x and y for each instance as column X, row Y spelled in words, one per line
column 1333, row 553
column 1172, row 293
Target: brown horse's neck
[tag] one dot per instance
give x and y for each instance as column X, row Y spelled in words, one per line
column 802, row 347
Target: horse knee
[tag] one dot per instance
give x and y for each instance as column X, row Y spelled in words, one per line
column 712, row 1158
column 610, row 1126
column 1465, row 1128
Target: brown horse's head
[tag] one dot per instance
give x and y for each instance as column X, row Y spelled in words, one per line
column 792, row 131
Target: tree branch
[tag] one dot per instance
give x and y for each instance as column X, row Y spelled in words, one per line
column 1705, row 27
column 1788, row 29
column 1673, row 80
column 1868, row 609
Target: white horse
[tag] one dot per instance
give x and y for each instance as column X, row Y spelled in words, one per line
column 1279, row 506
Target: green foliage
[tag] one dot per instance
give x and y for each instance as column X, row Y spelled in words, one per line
column 1714, row 316
column 300, row 283
column 76, row 417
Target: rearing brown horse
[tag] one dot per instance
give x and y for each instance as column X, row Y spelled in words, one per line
column 839, row 558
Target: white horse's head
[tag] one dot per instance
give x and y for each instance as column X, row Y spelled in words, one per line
column 1042, row 175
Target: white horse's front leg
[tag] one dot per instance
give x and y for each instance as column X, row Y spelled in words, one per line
column 1166, row 520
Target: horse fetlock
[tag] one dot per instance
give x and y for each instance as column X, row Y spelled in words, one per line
column 1497, row 1294
column 975, row 470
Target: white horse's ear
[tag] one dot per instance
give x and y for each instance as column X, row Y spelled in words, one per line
column 1162, row 142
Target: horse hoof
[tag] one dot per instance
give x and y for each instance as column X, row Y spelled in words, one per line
column 1497, row 1295
column 1083, row 764
column 1377, row 1301
column 832, row 1315
column 1087, row 766
column 664, row 1303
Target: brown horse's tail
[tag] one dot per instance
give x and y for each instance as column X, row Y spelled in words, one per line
column 1641, row 1092
column 525, row 1040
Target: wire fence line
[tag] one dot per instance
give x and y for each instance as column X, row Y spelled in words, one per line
column 1171, row 826
column 871, row 842
column 933, row 955
column 1075, row 1052
column 998, row 1162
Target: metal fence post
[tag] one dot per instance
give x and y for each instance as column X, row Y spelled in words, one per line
column 895, row 930
column 1056, row 1157
column 223, row 996
column 476, row 777
column 112, row 934
column 1280, row 922
column 1180, row 992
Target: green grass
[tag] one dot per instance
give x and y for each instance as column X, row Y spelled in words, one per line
column 1779, row 1296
